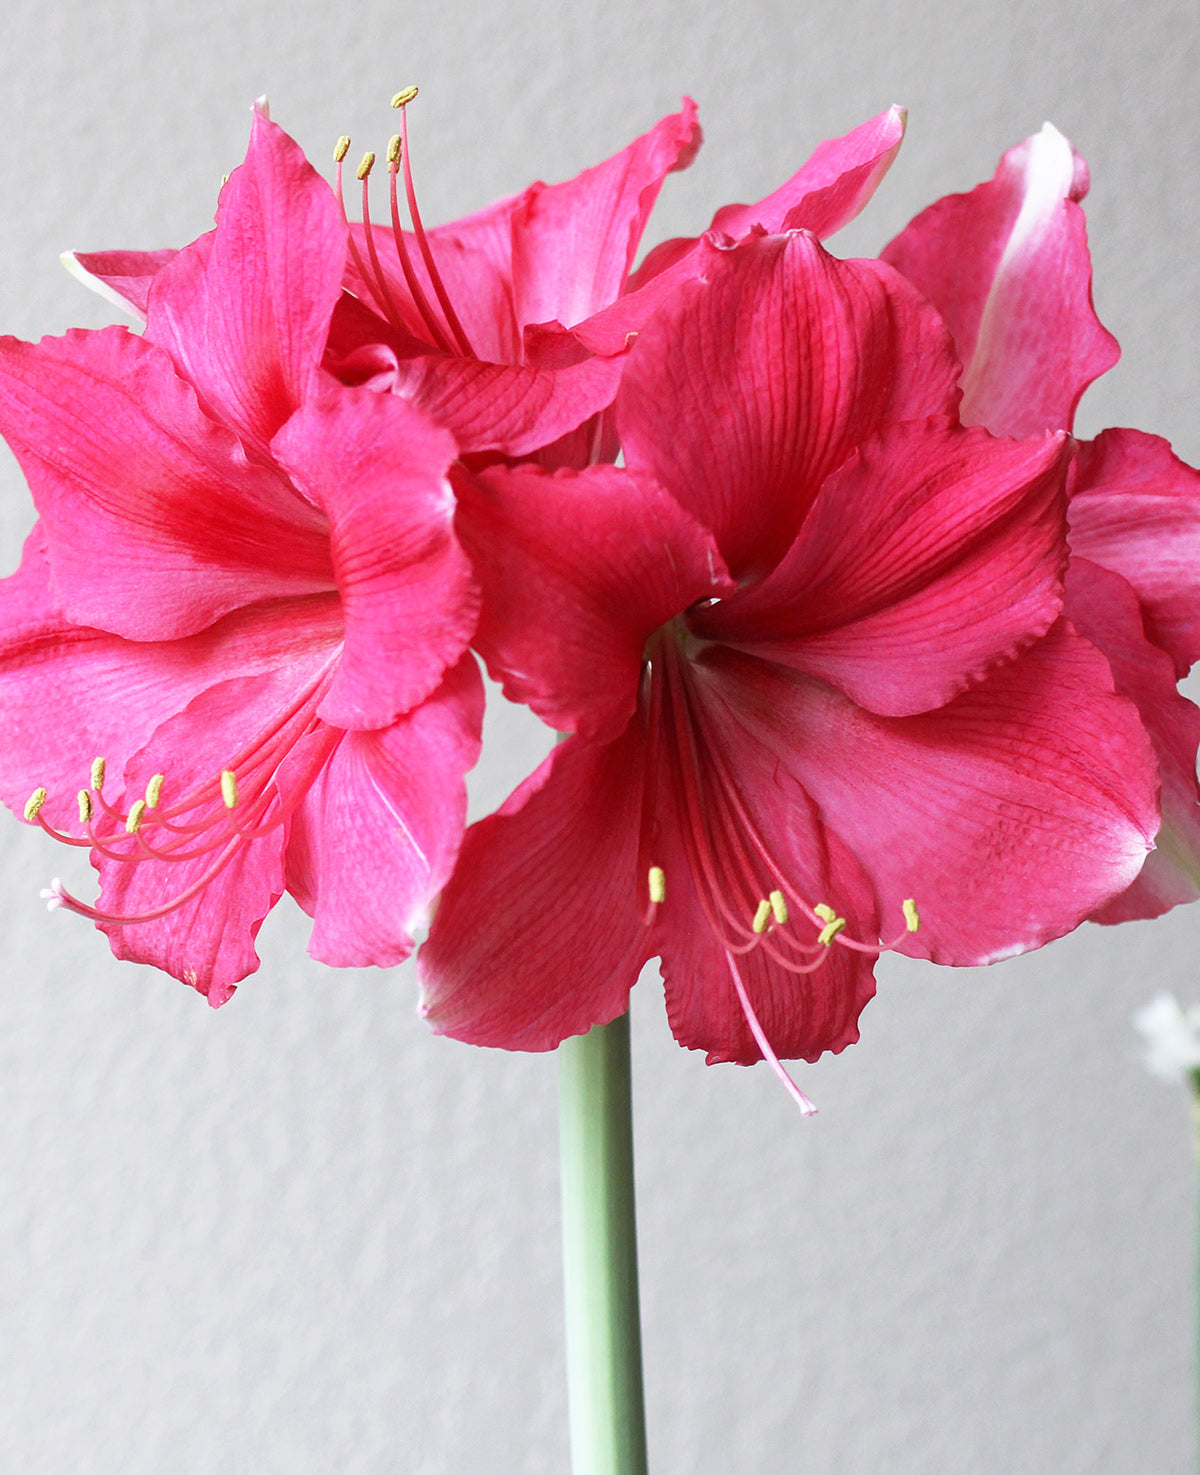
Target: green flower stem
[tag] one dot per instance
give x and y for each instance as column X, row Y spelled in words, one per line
column 600, row 1279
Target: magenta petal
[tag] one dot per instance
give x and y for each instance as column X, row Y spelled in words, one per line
column 1103, row 607
column 578, row 569
column 509, row 408
column 955, row 562
column 779, row 360
column 378, row 832
column 574, row 243
column 378, row 468
column 123, row 277
column 802, row 1014
column 1009, row 815
column 539, row 933
column 1135, row 508
column 245, row 313
column 1007, row 266
column 155, row 522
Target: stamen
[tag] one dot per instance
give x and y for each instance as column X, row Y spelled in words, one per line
column 912, row 919
column 393, row 150
column 154, row 791
column 341, row 148
column 658, row 885
column 97, row 774
column 85, row 807
column 761, row 916
column 778, row 907
column 806, row 1106
column 404, row 96
column 34, row 804
column 229, row 792
column 134, row 823
column 416, row 291
column 366, row 165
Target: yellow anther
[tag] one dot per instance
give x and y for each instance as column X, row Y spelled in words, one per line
column 134, row 823
column 393, row 149
column 778, row 907
column 825, row 911
column 341, row 148
column 657, row 882
column 229, row 788
column 85, row 807
column 97, row 774
column 368, row 163
column 912, row 918
column 830, row 930
column 34, row 804
column 154, row 791
column 224, row 180
column 761, row 916
column 403, row 98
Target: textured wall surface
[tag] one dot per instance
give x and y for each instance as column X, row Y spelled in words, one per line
column 301, row 1235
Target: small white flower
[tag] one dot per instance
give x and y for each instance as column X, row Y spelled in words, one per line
column 1172, row 1036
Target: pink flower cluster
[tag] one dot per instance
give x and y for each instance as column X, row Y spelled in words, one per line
column 854, row 645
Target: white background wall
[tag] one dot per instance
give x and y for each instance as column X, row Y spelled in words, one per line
column 301, row 1235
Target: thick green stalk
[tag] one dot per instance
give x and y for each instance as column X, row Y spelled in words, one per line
column 600, row 1279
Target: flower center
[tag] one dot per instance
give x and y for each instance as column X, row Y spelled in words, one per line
column 746, row 897
column 438, row 324
column 216, row 817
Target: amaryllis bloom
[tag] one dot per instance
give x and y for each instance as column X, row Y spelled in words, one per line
column 509, row 327
column 234, row 660
column 808, row 643
column 1007, row 266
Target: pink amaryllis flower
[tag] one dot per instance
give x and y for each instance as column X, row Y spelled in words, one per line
column 1007, row 266
column 508, row 327
column 809, row 644
column 234, row 659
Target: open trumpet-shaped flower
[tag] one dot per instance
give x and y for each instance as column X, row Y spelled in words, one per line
column 507, row 327
column 826, row 695
column 1007, row 266
column 234, row 658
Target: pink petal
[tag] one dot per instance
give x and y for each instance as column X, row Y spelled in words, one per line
column 779, row 360
column 246, row 315
column 1007, row 266
column 1103, row 607
column 378, row 469
column 1009, row 815
column 953, row 562
column 70, row 694
column 1135, row 508
column 377, row 835
column 512, row 409
column 574, row 243
column 123, row 277
column 801, row 1014
column 578, row 569
column 538, row 934
column 156, row 524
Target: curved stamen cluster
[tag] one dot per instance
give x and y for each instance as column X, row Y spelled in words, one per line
column 217, row 817
column 745, row 896
column 441, row 325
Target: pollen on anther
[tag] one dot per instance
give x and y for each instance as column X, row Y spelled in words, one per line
column 154, row 791
column 912, row 919
column 778, row 907
column 830, row 930
column 365, row 167
column 85, row 807
column 341, row 148
column 657, row 882
column 393, row 149
column 404, row 97
column 134, row 823
column 825, row 911
column 97, row 774
column 229, row 788
column 762, row 916
column 33, row 804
